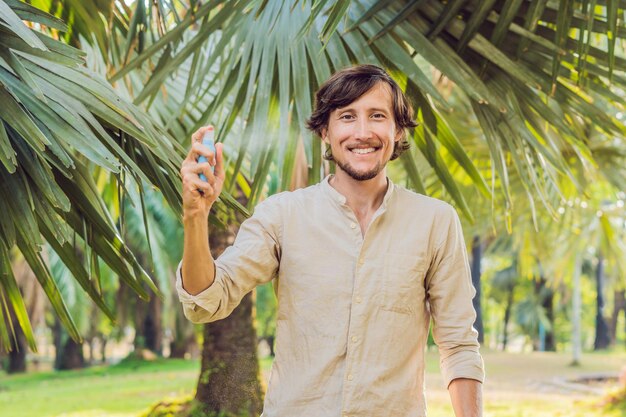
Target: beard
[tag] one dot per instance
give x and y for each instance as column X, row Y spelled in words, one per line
column 359, row 176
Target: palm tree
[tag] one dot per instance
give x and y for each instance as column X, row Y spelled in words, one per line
column 538, row 77
column 619, row 306
column 61, row 124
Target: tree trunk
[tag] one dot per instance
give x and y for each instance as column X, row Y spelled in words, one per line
column 57, row 340
column 184, row 340
column 90, row 354
column 17, row 354
column 69, row 354
column 152, row 328
column 103, row 349
column 602, row 339
column 180, row 348
column 548, row 305
column 507, row 317
column 148, row 326
column 476, row 259
column 183, row 337
column 229, row 380
column 577, row 348
column 619, row 304
column 546, row 298
column 139, row 311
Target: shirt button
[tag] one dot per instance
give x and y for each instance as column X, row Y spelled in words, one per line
column 354, row 338
column 350, row 377
column 361, row 261
column 353, row 225
column 358, row 300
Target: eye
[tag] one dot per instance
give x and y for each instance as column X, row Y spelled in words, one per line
column 378, row 116
column 346, row 116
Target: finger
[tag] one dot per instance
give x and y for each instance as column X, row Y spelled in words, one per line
column 207, row 170
column 196, row 186
column 192, row 155
column 198, row 134
column 203, row 150
column 193, row 168
column 199, row 168
column 219, row 161
column 198, row 149
column 196, row 137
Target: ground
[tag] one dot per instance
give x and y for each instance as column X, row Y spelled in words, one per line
column 518, row 385
column 536, row 385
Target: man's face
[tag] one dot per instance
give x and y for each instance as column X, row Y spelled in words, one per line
column 362, row 134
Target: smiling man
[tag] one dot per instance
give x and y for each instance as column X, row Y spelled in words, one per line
column 362, row 265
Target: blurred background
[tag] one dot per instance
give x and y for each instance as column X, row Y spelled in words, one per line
column 521, row 112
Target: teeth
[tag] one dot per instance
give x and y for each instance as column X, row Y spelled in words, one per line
column 363, row 151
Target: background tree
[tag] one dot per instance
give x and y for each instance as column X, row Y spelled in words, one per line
column 541, row 80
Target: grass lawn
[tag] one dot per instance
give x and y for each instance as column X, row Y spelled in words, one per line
column 518, row 385
column 122, row 390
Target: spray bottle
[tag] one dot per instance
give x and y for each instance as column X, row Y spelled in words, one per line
column 208, row 140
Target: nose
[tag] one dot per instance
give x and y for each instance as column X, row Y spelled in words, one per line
column 362, row 129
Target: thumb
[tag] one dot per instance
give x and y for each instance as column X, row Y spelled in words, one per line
column 219, row 161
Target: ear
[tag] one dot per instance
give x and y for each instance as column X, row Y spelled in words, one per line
column 325, row 136
column 399, row 134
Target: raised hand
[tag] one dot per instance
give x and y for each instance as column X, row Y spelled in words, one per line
column 199, row 195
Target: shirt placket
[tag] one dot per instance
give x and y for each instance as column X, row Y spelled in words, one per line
column 355, row 324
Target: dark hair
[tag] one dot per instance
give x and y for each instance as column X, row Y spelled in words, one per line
column 346, row 86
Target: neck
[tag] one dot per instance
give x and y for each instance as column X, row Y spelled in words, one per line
column 362, row 196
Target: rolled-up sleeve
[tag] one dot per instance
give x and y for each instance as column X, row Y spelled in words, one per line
column 253, row 259
column 450, row 293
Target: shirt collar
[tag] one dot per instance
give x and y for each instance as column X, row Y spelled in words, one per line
column 341, row 199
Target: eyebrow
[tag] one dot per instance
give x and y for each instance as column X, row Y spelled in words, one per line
column 343, row 109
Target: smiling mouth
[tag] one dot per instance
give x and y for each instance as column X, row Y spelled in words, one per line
column 363, row 151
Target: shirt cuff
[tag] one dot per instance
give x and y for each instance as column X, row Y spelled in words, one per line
column 209, row 299
column 463, row 364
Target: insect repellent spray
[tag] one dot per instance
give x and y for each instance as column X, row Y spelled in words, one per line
column 208, row 140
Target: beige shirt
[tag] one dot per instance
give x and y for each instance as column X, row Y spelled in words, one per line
column 353, row 310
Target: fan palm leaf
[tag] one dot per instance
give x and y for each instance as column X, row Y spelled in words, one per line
column 59, row 121
column 533, row 71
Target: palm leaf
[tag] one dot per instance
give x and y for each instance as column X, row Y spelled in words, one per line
column 448, row 35
column 59, row 120
column 537, row 93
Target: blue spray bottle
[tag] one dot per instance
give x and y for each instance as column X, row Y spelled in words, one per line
column 208, row 140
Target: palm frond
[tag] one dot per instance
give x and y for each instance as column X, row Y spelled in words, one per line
column 59, row 121
column 486, row 48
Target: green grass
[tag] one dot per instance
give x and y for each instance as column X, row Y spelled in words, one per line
column 122, row 390
column 518, row 385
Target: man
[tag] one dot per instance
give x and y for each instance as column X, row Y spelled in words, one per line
column 362, row 265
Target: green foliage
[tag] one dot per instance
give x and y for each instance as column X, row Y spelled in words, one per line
column 176, row 407
column 532, row 118
column 266, row 309
column 532, row 85
column 198, row 409
column 59, row 122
